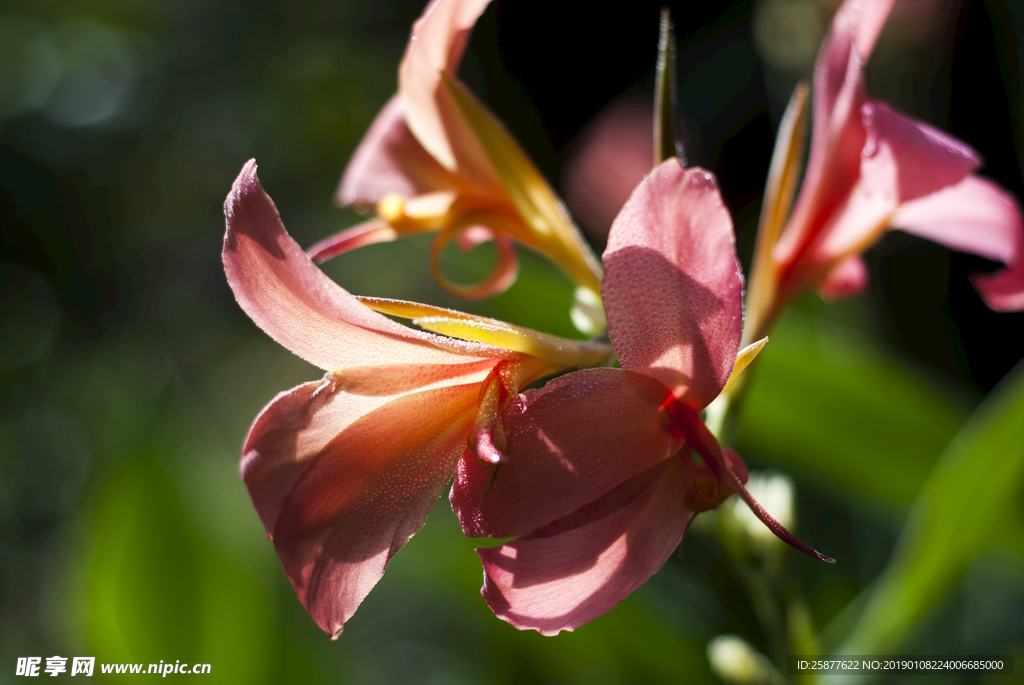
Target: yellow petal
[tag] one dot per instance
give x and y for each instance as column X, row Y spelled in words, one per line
column 743, row 359
column 778, row 201
column 548, row 226
column 558, row 352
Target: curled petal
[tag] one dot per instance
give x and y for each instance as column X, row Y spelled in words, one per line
column 367, row 233
column 847, row 278
column 498, row 281
column 673, row 287
column 390, row 160
column 545, row 223
column 979, row 217
column 561, row 581
column 301, row 308
column 566, row 444
column 364, row 494
column 436, row 46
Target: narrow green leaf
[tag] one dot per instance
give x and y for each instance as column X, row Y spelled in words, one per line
column 970, row 504
column 829, row 400
column 666, row 112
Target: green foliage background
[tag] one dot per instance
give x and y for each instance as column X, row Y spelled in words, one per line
column 129, row 377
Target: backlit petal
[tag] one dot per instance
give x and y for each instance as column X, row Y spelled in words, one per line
column 559, row 352
column 546, row 225
column 979, row 217
column 673, row 288
column 556, row 583
column 905, row 159
column 298, row 424
column 390, row 160
column 365, row 493
column 436, row 46
column 301, row 308
column 567, row 444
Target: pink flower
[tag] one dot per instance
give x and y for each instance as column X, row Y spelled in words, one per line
column 437, row 160
column 871, row 168
column 343, row 471
column 597, row 479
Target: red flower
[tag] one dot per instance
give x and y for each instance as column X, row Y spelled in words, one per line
column 343, row 471
column 870, row 169
column 597, row 479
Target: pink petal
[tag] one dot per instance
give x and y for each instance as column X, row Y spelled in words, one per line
column 390, row 160
column 364, row 494
column 905, row 159
column 672, row 287
column 302, row 309
column 838, row 135
column 979, row 217
column 863, row 20
column 367, row 233
column 844, row 51
column 298, row 424
column 837, row 139
column 567, row 444
column 847, row 278
column 561, row 582
column 437, row 43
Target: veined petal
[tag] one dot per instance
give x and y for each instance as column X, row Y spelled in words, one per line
column 365, row 493
column 556, row 583
column 567, row 444
column 298, row 424
column 673, row 288
column 559, row 352
column 435, row 47
column 548, row 227
column 390, row 160
column 301, row 308
column 979, row 217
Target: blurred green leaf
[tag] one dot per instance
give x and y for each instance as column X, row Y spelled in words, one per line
column 158, row 592
column 826, row 398
column 970, row 504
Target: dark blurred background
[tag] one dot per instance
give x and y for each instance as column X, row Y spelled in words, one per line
column 129, row 376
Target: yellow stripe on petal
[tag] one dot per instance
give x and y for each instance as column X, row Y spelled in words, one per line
column 548, row 226
column 743, row 359
column 558, row 352
column 783, row 175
